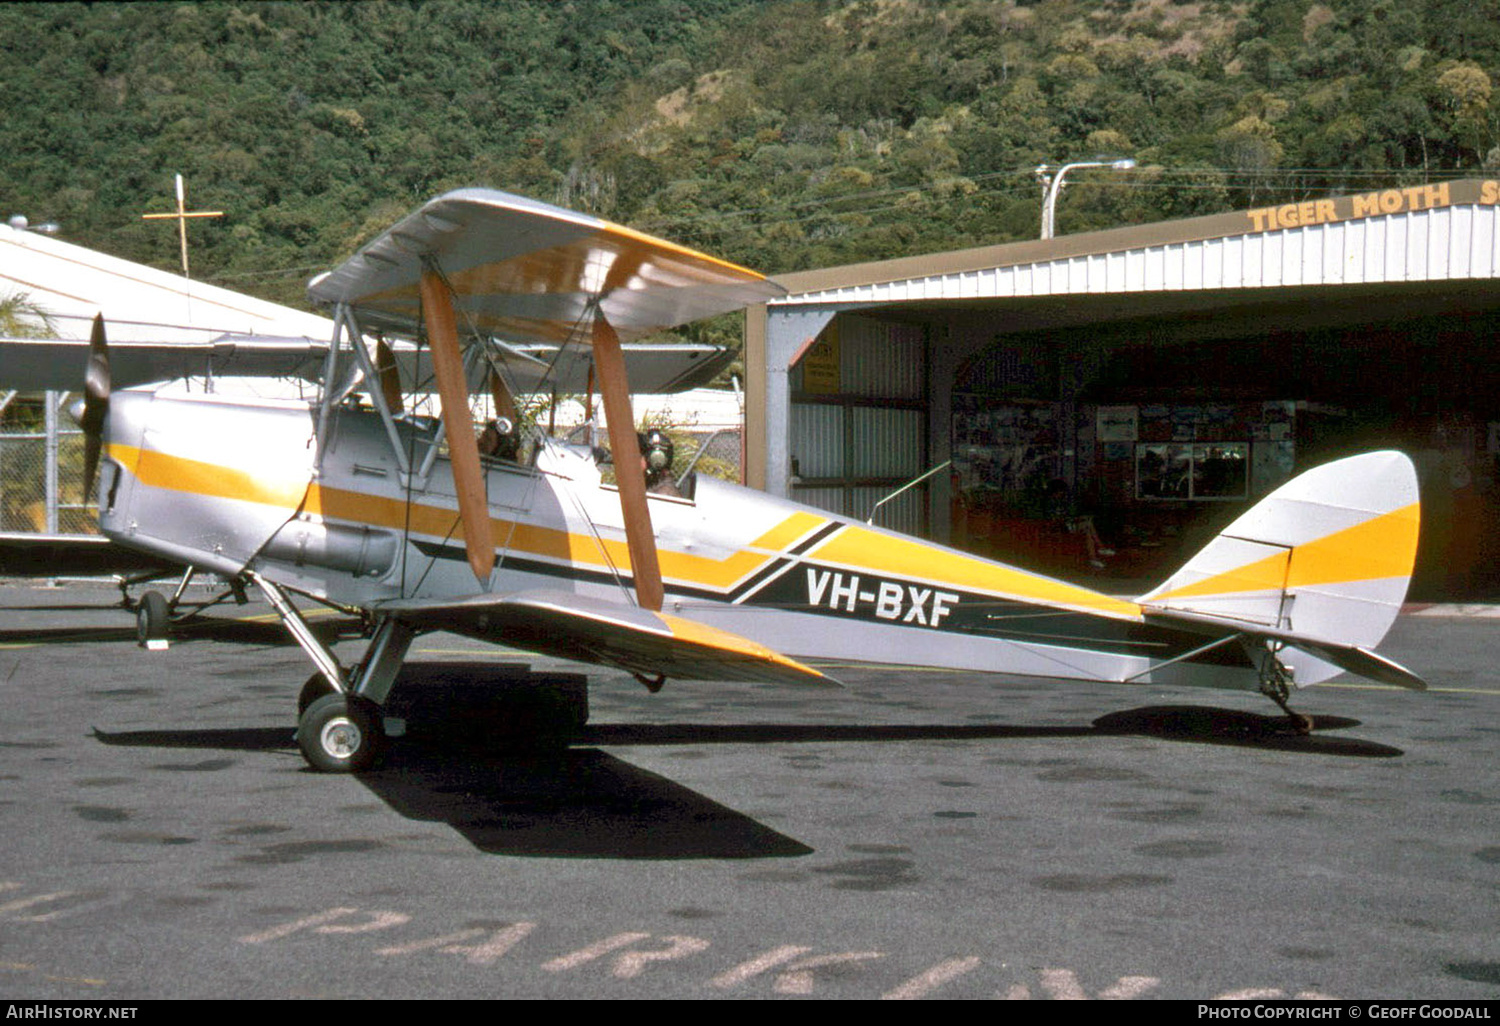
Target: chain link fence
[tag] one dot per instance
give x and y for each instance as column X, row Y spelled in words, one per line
column 40, row 492
column 716, row 454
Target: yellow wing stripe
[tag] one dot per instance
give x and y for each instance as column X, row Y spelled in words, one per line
column 861, row 549
column 652, row 243
column 711, row 637
column 1383, row 546
column 177, row 473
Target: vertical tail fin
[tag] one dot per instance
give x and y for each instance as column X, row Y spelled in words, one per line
column 1327, row 557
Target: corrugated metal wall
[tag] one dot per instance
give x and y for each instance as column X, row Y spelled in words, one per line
column 881, row 359
column 863, row 435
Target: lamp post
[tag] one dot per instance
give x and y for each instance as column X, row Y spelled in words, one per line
column 1053, row 184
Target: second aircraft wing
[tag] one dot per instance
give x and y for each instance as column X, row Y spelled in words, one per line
column 562, row 624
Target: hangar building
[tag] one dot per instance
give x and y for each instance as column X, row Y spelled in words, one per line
column 1159, row 378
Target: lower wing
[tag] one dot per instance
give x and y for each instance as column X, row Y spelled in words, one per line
column 72, row 555
column 627, row 637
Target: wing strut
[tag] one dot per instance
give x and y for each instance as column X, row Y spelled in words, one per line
column 463, row 448
column 629, row 474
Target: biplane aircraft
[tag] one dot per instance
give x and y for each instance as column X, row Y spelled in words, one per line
column 357, row 502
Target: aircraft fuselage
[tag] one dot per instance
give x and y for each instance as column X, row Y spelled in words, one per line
column 230, row 485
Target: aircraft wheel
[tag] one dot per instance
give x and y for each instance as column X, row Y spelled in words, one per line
column 341, row 734
column 153, row 617
column 316, row 687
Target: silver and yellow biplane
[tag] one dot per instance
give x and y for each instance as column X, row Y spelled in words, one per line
column 358, row 502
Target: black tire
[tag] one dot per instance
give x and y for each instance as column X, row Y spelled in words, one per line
column 153, row 618
column 341, row 734
column 316, row 687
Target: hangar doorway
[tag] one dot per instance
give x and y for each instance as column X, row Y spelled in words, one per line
column 1161, row 436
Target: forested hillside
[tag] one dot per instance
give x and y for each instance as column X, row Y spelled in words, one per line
column 782, row 135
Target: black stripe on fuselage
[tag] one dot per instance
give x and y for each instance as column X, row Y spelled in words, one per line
column 819, row 590
column 838, row 593
column 742, row 592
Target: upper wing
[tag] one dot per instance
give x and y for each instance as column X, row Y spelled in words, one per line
column 627, row 637
column 529, row 272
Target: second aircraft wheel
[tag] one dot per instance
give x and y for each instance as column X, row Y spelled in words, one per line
column 153, row 617
column 341, row 734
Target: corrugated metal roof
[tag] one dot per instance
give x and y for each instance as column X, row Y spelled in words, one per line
column 141, row 303
column 1445, row 231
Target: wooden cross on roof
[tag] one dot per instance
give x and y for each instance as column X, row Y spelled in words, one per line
column 181, row 217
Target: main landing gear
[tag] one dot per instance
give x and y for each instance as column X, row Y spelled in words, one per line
column 338, row 732
column 153, row 618
column 340, row 720
column 341, row 733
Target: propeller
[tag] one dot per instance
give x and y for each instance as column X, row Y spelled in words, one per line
column 95, row 402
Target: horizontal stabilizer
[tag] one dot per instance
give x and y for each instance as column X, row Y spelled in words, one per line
column 1329, row 656
column 611, row 634
column 1363, row 663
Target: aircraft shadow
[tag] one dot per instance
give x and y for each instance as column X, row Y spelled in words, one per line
column 575, row 801
column 63, row 607
column 559, row 801
column 1208, row 725
column 66, row 635
column 228, row 739
column 1196, row 724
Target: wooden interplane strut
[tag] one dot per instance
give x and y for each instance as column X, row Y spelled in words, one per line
column 463, row 447
column 609, row 360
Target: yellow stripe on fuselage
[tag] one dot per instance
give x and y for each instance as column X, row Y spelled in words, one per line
column 852, row 547
column 178, row 473
column 1381, row 547
column 859, row 549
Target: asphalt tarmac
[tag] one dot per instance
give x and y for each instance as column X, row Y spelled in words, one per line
column 912, row 835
